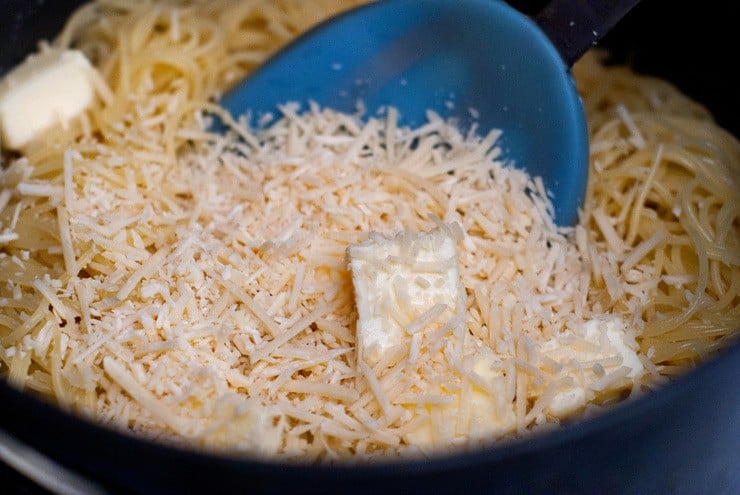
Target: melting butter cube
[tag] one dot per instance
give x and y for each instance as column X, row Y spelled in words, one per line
column 492, row 412
column 410, row 298
column 600, row 344
column 478, row 412
column 252, row 424
column 401, row 284
column 49, row 88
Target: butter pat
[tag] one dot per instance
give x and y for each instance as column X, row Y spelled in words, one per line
column 600, row 344
column 47, row 89
column 411, row 306
column 403, row 284
column 478, row 412
column 492, row 413
column 243, row 424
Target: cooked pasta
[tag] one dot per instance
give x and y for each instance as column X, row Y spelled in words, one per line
column 662, row 171
column 193, row 287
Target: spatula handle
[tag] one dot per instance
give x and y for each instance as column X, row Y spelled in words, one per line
column 574, row 26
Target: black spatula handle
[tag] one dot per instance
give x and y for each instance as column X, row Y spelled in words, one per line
column 574, row 26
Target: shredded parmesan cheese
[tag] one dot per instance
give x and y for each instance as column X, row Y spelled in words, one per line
column 207, row 288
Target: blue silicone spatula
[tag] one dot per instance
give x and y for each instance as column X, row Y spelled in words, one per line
column 473, row 60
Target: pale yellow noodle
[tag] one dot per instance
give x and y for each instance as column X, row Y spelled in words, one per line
column 693, row 195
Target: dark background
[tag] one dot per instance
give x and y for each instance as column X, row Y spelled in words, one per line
column 693, row 44
column 16, row 484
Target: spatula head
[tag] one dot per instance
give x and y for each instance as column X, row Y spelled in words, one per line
column 474, row 60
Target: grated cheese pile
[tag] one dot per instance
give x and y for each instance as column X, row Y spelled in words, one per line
column 209, row 301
